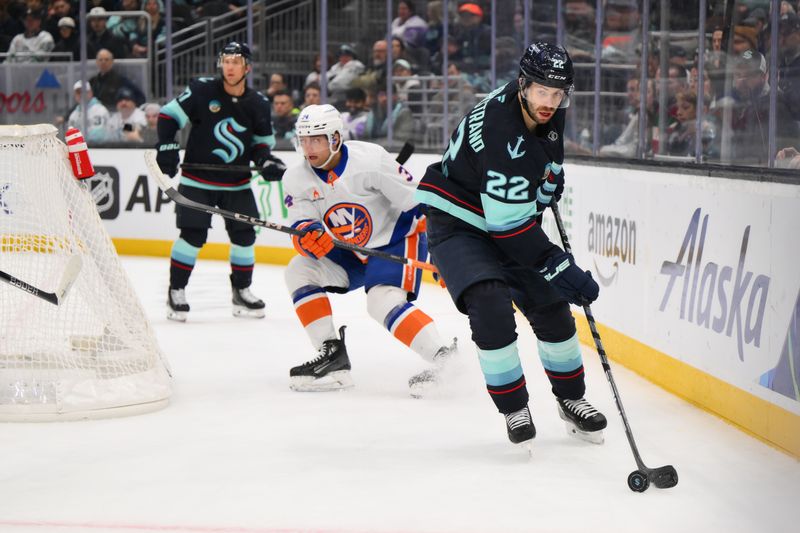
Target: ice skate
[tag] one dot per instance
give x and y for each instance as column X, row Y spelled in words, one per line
column 246, row 304
column 329, row 371
column 582, row 420
column 177, row 307
column 428, row 380
column 520, row 427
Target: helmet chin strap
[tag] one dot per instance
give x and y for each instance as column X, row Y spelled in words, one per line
column 333, row 153
column 524, row 102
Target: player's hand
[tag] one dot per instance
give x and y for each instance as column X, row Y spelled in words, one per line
column 168, row 157
column 315, row 242
column 272, row 168
column 552, row 186
column 575, row 284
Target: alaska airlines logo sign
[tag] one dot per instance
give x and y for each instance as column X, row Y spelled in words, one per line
column 721, row 297
column 225, row 132
column 614, row 238
column 350, row 222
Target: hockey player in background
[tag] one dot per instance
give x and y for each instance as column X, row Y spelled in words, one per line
column 230, row 125
column 356, row 192
column 485, row 200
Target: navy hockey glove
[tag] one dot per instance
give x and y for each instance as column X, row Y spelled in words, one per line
column 552, row 186
column 272, row 168
column 575, row 284
column 168, row 157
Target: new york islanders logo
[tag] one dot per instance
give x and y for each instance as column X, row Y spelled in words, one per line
column 350, row 222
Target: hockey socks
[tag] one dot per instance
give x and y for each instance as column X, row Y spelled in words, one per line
column 314, row 311
column 243, row 258
column 504, row 378
column 563, row 364
column 182, row 260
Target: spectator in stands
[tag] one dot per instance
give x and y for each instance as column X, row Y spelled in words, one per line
column 681, row 132
column 460, row 97
column 128, row 121
column 343, row 72
column 150, row 132
column 58, row 9
column 312, row 95
column 69, row 40
column 375, row 76
column 96, row 118
column 155, row 10
column 789, row 54
column 435, row 30
column 409, row 26
column 125, row 28
column 284, row 115
column 34, row 44
column 355, row 118
column 474, row 37
column 99, row 37
column 378, row 125
column 677, row 80
column 107, row 82
column 454, row 54
column 745, row 37
column 750, row 119
column 788, row 158
column 407, row 85
column 314, row 75
column 627, row 143
column 277, row 82
column 11, row 22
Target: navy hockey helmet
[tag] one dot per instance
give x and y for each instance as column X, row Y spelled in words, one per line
column 549, row 65
column 235, row 48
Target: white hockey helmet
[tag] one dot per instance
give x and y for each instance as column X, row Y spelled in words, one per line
column 321, row 119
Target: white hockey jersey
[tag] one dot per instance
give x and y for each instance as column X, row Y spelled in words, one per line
column 367, row 200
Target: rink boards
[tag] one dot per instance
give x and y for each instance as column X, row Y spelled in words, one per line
column 698, row 275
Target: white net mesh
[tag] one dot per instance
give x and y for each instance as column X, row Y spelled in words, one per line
column 94, row 355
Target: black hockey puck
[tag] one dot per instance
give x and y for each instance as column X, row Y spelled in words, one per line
column 638, row 482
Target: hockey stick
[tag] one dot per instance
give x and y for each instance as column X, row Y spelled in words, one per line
column 67, row 279
column 663, row 477
column 165, row 184
column 405, row 152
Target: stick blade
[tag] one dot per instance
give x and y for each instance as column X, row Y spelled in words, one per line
column 164, row 182
column 664, row 477
column 68, row 277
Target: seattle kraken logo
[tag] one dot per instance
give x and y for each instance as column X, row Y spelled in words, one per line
column 224, row 132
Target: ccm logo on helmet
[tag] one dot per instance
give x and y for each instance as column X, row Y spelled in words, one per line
column 556, row 77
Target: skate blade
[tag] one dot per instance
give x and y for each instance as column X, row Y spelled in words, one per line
column 244, row 312
column 177, row 316
column 423, row 389
column 595, row 437
column 340, row 380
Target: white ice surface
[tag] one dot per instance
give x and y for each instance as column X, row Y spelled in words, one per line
column 237, row 451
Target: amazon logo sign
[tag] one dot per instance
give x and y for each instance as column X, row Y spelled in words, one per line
column 613, row 239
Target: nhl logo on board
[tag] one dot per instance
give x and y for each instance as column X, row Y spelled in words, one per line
column 214, row 106
column 553, row 136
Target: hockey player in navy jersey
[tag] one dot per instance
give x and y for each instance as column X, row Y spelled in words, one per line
column 356, row 192
column 230, row 125
column 501, row 170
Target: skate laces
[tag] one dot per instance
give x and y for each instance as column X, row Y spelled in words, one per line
column 178, row 296
column 324, row 353
column 581, row 407
column 519, row 418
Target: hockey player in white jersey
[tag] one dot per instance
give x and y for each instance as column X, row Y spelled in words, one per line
column 354, row 191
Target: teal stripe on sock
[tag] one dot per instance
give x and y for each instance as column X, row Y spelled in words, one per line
column 500, row 366
column 562, row 356
column 184, row 252
column 243, row 255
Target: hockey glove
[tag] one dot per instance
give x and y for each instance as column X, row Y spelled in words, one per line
column 168, row 157
column 272, row 168
column 315, row 242
column 576, row 285
column 551, row 187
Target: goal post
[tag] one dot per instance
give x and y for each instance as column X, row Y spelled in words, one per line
column 90, row 351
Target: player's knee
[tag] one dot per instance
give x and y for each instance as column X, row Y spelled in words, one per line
column 243, row 237
column 553, row 322
column 491, row 314
column 194, row 236
column 300, row 272
column 381, row 299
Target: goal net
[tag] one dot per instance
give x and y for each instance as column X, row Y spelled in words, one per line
column 94, row 354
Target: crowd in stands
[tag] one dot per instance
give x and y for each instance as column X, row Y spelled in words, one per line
column 735, row 93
